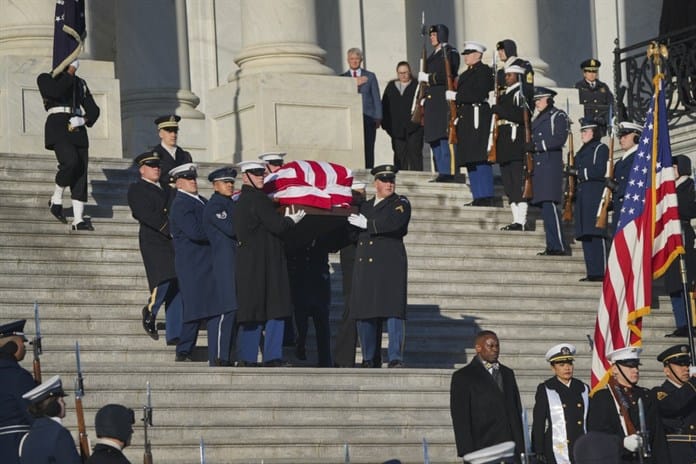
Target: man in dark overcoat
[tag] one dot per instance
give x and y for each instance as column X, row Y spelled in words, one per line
column 113, row 425
column 590, row 170
column 16, row 381
column 149, row 203
column 676, row 401
column 474, row 122
column 594, row 95
column 218, row 221
column 171, row 154
column 549, row 134
column 380, row 269
column 263, row 285
column 436, row 112
column 485, row 402
column 71, row 109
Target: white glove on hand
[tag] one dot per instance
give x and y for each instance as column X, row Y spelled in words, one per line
column 296, row 217
column 450, row 95
column 358, row 220
column 633, row 442
column 423, row 77
column 692, row 371
column 77, row 121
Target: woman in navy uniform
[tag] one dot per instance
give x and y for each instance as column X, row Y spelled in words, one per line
column 590, row 170
column 474, row 122
column 14, row 418
column 549, row 134
column 560, row 409
column 171, row 155
column 435, row 108
column 218, row 221
column 380, row 271
column 629, row 136
column 70, row 108
column 48, row 441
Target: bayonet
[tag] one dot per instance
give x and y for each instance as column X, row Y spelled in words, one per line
column 36, row 344
column 202, row 450
column 426, row 455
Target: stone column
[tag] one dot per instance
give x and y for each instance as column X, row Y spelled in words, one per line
column 283, row 97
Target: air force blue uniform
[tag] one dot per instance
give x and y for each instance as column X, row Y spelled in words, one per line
column 14, row 418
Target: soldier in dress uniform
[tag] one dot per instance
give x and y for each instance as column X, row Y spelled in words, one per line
column 615, row 410
column 629, row 135
column 560, row 409
column 71, row 109
column 436, row 113
column 474, row 122
column 676, row 401
column 149, row 203
column 507, row 52
column 14, row 418
column 48, row 441
column 549, row 134
column 379, row 276
column 113, row 425
column 171, row 155
column 510, row 145
column 273, row 160
column 263, row 285
column 594, row 94
column 590, row 171
column 218, row 222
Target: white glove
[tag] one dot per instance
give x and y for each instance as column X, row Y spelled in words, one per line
column 692, row 371
column 633, row 442
column 423, row 77
column 77, row 121
column 297, row 216
column 456, row 121
column 422, row 102
column 358, row 220
column 450, row 95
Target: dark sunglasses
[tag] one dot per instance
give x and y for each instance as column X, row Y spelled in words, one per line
column 257, row 172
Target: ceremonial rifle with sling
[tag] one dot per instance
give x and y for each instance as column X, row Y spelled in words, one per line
column 451, row 129
column 493, row 134
column 147, row 422
column 419, row 95
column 528, row 191
column 79, row 412
column 36, row 345
column 603, row 211
column 570, row 182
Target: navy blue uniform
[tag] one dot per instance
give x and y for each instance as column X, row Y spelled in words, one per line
column 14, row 418
column 677, row 408
column 169, row 162
column 596, row 99
column 510, row 142
column 622, row 171
column 48, row 442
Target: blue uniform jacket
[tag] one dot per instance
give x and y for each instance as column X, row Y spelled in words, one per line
column 591, row 164
column 218, row 221
column 14, row 417
column 193, row 257
column 369, row 91
column 48, row 442
column 549, row 134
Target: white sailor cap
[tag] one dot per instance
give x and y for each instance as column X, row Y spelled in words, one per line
column 251, row 165
column 186, row 171
column 515, row 69
column 272, row 156
column 492, row 454
column 626, row 127
column 471, row 46
column 628, row 356
column 51, row 387
column 560, row 352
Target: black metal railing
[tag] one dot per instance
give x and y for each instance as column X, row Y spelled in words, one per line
column 633, row 74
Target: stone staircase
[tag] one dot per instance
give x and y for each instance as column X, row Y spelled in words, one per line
column 464, row 275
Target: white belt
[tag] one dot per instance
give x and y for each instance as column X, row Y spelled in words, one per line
column 64, row 109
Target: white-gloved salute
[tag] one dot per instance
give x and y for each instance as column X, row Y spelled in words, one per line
column 358, row 220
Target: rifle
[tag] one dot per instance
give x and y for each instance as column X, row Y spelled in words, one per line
column 201, row 447
column 528, row 192
column 493, row 134
column 451, row 129
column 147, row 422
column 644, row 451
column 36, row 344
column 419, row 95
column 603, row 210
column 79, row 393
column 570, row 183
column 426, row 454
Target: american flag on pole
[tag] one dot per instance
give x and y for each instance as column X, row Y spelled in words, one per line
column 68, row 32
column 647, row 240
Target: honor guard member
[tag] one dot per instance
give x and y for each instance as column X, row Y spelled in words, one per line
column 590, row 171
column 436, row 113
column 149, row 203
column 193, row 262
column 474, row 122
column 484, row 400
column 71, row 109
column 629, row 135
column 560, row 409
column 48, row 441
column 507, row 52
column 171, row 155
column 14, row 418
column 510, row 145
column 380, row 273
column 615, row 410
column 263, row 285
column 549, row 134
column 113, row 425
column 594, row 94
column 218, row 221
column 502, row 453
column 273, row 160
column 676, row 402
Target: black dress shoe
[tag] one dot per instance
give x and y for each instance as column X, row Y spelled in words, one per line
column 679, row 332
column 475, row 202
column 149, row 324
column 396, row 363
column 84, row 225
column 513, row 226
column 247, row 364
column 366, row 364
column 222, row 362
column 592, row 279
column 183, row 357
column 57, row 212
column 443, row 178
column 276, row 363
column 486, row 201
column 301, row 353
column 548, row 252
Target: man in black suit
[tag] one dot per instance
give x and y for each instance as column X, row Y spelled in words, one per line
column 171, row 155
column 485, row 401
column 149, row 204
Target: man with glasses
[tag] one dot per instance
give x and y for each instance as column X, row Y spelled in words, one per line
column 171, row 155
column 594, row 94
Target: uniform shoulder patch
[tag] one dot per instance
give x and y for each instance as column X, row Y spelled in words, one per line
column 530, row 78
column 221, row 215
column 661, row 395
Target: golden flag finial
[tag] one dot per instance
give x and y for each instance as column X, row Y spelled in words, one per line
column 657, row 52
